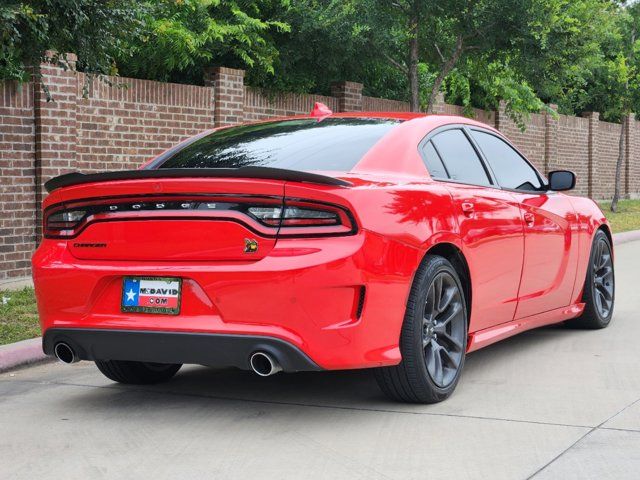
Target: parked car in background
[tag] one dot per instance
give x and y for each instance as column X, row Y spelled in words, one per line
column 393, row 241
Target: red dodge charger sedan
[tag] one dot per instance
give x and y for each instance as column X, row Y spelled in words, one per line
column 393, row 241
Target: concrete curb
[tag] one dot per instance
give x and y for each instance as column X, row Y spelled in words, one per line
column 16, row 283
column 22, row 353
column 625, row 237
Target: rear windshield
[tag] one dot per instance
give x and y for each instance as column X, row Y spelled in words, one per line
column 309, row 144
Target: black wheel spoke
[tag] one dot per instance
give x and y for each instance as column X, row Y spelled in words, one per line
column 437, row 293
column 444, row 326
column 452, row 341
column 450, row 359
column 442, row 323
column 429, row 307
column 447, row 296
column 438, row 371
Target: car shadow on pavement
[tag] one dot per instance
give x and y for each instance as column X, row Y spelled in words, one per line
column 355, row 389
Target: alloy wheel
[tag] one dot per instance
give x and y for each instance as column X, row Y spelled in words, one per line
column 603, row 285
column 443, row 329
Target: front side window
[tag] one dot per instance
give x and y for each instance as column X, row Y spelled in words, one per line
column 460, row 158
column 511, row 170
column 335, row 144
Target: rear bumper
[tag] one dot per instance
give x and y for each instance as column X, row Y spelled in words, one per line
column 176, row 347
column 340, row 301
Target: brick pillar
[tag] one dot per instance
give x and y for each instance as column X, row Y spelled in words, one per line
column 228, row 94
column 592, row 167
column 349, row 95
column 631, row 160
column 503, row 122
column 55, row 125
column 551, row 160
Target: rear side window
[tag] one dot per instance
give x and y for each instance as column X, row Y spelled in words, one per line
column 433, row 162
column 459, row 157
column 307, row 144
column 510, row 169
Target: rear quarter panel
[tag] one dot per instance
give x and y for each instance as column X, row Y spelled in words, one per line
column 402, row 219
column 589, row 219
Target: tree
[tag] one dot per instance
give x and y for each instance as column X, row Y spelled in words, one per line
column 329, row 41
column 97, row 31
column 180, row 38
column 566, row 45
column 440, row 35
column 626, row 74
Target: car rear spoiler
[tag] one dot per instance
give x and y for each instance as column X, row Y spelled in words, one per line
column 75, row 178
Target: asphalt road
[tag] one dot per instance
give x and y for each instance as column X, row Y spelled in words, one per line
column 553, row 403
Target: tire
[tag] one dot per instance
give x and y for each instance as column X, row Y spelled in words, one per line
column 137, row 373
column 416, row 379
column 599, row 287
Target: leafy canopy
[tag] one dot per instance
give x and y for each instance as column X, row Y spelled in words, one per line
column 97, row 31
column 580, row 54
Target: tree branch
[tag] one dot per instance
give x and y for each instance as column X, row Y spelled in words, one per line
column 395, row 63
column 439, row 53
column 445, row 70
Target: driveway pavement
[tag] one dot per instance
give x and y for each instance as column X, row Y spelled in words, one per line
column 553, row 403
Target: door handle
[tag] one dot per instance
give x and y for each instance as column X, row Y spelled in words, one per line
column 529, row 219
column 468, row 208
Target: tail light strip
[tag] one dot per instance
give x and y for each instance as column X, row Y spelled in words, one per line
column 266, row 216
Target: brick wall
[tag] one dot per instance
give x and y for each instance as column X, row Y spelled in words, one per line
column 121, row 126
column 573, row 150
column 259, row 105
column 91, row 126
column 17, row 179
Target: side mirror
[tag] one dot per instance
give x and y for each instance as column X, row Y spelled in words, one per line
column 560, row 180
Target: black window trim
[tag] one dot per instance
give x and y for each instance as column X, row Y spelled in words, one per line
column 435, row 149
column 544, row 184
column 464, row 128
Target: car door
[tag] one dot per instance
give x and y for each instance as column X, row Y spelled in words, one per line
column 490, row 225
column 550, row 256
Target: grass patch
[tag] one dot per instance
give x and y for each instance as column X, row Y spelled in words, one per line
column 627, row 218
column 18, row 316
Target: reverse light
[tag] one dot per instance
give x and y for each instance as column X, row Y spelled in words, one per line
column 63, row 222
column 266, row 214
column 70, row 216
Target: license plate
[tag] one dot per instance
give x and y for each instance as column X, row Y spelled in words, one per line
column 151, row 295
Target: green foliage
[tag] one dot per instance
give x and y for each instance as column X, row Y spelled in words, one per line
column 94, row 30
column 580, row 54
column 329, row 41
column 566, row 47
column 18, row 315
column 181, row 37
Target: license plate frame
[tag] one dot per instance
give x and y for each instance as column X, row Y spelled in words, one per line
column 132, row 286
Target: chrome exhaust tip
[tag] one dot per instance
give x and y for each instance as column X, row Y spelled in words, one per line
column 264, row 364
column 65, row 353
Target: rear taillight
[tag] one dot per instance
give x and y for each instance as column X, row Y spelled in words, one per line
column 304, row 218
column 63, row 223
column 270, row 216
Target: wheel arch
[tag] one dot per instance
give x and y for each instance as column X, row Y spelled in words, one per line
column 607, row 230
column 455, row 256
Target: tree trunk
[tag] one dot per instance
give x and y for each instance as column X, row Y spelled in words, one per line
column 413, row 66
column 447, row 66
column 621, row 145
